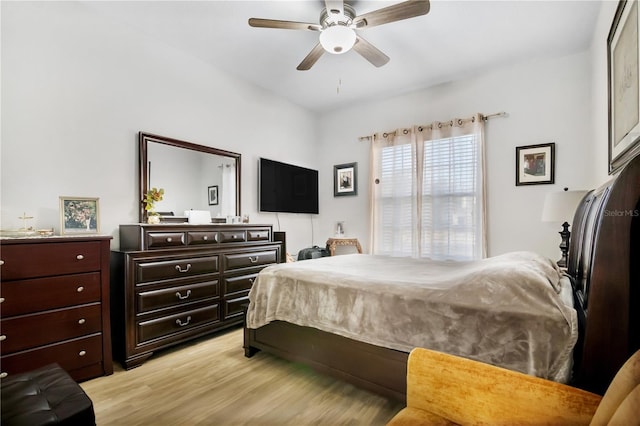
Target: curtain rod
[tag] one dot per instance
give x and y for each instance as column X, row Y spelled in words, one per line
column 485, row 117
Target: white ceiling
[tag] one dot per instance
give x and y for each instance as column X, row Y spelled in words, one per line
column 454, row 40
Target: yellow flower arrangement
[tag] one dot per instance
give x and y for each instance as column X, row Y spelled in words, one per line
column 150, row 198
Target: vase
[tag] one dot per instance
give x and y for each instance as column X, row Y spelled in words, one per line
column 153, row 219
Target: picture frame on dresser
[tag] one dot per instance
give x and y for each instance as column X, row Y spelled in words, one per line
column 79, row 215
column 623, row 72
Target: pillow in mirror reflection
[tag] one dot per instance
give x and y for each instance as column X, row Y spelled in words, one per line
column 199, row 217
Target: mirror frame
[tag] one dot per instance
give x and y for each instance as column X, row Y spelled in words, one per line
column 143, row 141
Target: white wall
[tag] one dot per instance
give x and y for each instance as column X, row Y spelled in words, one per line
column 76, row 90
column 546, row 101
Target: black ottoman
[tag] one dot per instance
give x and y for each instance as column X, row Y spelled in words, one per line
column 46, row 396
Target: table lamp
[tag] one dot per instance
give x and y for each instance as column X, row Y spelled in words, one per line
column 559, row 207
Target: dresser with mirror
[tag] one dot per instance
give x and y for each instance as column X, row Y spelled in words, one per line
column 176, row 281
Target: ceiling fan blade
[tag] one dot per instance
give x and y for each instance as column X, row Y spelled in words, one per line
column 397, row 12
column 334, row 7
column 284, row 25
column 311, row 58
column 370, row 52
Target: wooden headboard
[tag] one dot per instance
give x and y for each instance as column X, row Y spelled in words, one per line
column 604, row 261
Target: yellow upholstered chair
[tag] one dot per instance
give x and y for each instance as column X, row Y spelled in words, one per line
column 444, row 389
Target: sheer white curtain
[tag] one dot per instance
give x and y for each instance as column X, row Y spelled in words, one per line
column 428, row 191
column 228, row 192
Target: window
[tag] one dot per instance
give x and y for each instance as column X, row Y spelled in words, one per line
column 429, row 199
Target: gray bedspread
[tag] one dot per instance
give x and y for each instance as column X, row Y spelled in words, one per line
column 505, row 310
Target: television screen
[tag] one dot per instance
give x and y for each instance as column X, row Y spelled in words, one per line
column 287, row 188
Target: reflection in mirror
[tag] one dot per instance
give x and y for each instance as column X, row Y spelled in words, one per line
column 186, row 171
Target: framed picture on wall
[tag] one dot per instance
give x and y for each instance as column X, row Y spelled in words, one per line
column 623, row 85
column 213, row 195
column 345, row 179
column 535, row 164
column 79, row 215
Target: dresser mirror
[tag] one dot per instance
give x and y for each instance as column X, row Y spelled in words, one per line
column 194, row 177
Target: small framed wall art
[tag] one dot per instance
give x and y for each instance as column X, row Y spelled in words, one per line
column 535, row 164
column 623, row 59
column 79, row 215
column 213, row 195
column 345, row 179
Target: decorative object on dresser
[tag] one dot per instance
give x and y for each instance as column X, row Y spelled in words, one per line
column 174, row 282
column 345, row 179
column 55, row 305
column 558, row 207
column 535, row 164
column 151, row 197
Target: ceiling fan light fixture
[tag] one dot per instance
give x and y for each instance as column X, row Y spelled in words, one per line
column 337, row 39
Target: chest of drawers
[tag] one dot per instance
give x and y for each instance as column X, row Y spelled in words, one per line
column 175, row 282
column 54, row 302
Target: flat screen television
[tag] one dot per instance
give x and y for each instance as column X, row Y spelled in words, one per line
column 286, row 188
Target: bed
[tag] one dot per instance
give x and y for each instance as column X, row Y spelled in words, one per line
column 532, row 329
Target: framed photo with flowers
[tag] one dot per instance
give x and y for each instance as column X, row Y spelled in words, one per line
column 79, row 215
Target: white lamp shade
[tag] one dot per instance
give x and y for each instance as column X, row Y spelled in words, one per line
column 337, row 39
column 561, row 206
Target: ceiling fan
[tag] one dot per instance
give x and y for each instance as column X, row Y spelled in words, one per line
column 338, row 25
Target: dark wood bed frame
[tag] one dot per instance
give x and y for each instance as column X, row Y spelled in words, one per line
column 604, row 262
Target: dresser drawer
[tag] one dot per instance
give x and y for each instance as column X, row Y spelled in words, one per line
column 235, row 307
column 232, row 236
column 256, row 258
column 171, row 269
column 26, row 296
column 70, row 354
column 202, row 237
column 176, row 296
column 258, row 235
column 164, row 326
column 238, row 283
column 28, row 331
column 165, row 239
column 41, row 260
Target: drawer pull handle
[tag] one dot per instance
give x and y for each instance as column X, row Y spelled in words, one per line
column 179, row 269
column 234, row 237
column 3, row 375
column 205, row 238
column 3, row 338
column 169, row 239
column 181, row 297
column 82, row 353
column 82, row 321
column 80, row 289
column 79, row 257
column 253, row 259
column 182, row 324
column 1, row 262
column 1, row 299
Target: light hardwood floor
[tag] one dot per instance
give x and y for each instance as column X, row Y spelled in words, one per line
column 210, row 381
